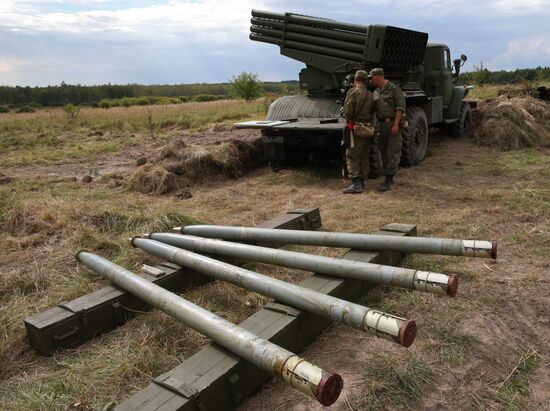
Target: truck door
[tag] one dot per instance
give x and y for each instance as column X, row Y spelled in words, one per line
column 447, row 77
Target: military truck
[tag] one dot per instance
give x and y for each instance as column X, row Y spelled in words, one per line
column 302, row 126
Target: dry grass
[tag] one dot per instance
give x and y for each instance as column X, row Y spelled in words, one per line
column 179, row 166
column 513, row 123
column 49, row 136
column 467, row 349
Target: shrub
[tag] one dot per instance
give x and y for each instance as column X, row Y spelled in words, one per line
column 4, row 109
column 26, row 109
column 104, row 104
column 183, row 99
column 71, row 110
column 246, row 86
column 205, row 97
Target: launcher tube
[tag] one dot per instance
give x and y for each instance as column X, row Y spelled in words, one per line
column 371, row 242
column 435, row 283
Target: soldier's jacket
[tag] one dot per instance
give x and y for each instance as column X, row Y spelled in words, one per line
column 359, row 105
column 387, row 100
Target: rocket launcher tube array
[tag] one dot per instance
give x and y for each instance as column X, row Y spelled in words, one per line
column 369, row 242
column 375, row 273
column 310, row 21
column 383, row 325
column 313, row 31
column 305, row 38
column 306, row 377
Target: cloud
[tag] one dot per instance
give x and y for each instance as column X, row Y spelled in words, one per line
column 531, row 50
column 197, row 18
column 168, row 41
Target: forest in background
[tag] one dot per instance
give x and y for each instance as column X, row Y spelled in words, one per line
column 54, row 96
column 107, row 94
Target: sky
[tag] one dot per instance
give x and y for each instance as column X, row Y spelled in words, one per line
column 187, row 41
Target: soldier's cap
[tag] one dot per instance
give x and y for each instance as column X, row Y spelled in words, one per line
column 361, row 75
column 376, row 72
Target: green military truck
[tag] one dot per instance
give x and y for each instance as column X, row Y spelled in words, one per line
column 310, row 125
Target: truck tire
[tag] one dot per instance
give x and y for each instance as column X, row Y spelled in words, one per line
column 415, row 137
column 464, row 126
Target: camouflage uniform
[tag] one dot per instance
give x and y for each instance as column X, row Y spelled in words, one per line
column 359, row 108
column 387, row 101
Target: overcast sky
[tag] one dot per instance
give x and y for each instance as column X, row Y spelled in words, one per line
column 183, row 41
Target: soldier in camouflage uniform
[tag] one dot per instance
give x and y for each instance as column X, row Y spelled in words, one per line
column 389, row 106
column 358, row 108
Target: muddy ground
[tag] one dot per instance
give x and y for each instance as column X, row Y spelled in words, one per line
column 485, row 349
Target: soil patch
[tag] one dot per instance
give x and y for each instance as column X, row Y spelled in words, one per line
column 513, row 123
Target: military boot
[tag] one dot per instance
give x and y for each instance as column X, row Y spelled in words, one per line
column 386, row 185
column 355, row 187
column 363, row 183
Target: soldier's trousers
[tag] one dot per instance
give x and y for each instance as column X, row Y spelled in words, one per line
column 375, row 164
column 358, row 157
column 390, row 148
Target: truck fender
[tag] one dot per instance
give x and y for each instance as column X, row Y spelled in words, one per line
column 453, row 110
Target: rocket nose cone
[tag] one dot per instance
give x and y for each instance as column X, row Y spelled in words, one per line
column 452, row 286
column 329, row 388
column 407, row 333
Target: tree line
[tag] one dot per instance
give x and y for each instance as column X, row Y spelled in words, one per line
column 480, row 75
column 53, row 96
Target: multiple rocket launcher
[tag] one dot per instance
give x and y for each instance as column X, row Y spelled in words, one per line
column 186, row 249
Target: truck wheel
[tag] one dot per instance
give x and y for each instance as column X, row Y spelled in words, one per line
column 464, row 126
column 415, row 137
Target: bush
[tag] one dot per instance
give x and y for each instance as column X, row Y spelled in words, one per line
column 4, row 109
column 104, row 104
column 205, row 97
column 35, row 104
column 246, row 86
column 183, row 99
column 26, row 109
column 71, row 110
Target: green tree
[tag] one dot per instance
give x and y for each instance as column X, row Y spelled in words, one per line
column 481, row 74
column 246, row 86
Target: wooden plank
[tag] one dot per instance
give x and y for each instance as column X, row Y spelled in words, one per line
column 215, row 379
column 75, row 322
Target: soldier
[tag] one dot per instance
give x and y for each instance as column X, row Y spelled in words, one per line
column 358, row 108
column 389, row 106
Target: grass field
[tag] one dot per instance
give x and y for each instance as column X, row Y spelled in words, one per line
column 486, row 349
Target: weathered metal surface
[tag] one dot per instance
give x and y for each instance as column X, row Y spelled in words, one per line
column 73, row 323
column 302, row 375
column 221, row 381
column 443, row 246
column 375, row 273
column 381, row 324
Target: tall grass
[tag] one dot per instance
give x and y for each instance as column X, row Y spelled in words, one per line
column 49, row 135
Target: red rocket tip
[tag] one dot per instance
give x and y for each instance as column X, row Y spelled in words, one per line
column 329, row 388
column 407, row 333
column 452, row 286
